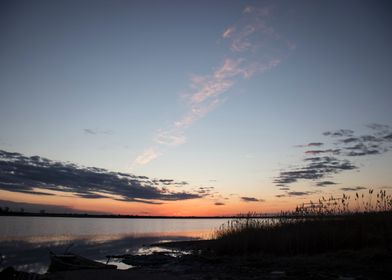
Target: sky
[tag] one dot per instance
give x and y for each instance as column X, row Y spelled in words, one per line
column 192, row 107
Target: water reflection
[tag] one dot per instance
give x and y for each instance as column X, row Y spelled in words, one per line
column 32, row 254
column 25, row 241
column 17, row 227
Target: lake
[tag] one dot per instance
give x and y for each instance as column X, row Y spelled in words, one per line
column 25, row 241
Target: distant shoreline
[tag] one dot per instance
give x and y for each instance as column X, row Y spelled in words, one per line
column 111, row 216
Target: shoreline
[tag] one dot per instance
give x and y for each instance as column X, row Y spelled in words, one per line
column 113, row 216
column 203, row 264
column 355, row 246
column 347, row 264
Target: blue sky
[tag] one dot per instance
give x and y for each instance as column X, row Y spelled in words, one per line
column 216, row 93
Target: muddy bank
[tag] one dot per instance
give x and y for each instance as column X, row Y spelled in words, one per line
column 198, row 262
column 364, row 264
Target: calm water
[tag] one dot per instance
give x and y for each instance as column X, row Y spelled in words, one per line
column 26, row 241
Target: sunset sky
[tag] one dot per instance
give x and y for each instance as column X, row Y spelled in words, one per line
column 192, row 107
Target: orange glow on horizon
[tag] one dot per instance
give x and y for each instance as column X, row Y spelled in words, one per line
column 192, row 207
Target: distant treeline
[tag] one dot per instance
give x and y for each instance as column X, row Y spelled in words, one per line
column 118, row 216
column 6, row 211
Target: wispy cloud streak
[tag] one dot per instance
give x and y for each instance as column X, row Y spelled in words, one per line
column 147, row 156
column 253, row 47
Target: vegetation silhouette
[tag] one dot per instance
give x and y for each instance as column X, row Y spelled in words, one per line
column 316, row 227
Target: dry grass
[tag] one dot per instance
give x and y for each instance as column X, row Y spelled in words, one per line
column 328, row 225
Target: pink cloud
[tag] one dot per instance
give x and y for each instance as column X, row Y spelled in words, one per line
column 251, row 30
column 230, row 68
column 248, row 10
column 228, row 32
column 255, row 48
column 197, row 112
column 146, row 157
column 170, row 137
column 210, row 89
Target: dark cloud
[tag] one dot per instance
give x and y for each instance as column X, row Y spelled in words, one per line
column 293, row 193
column 339, row 133
column 312, row 144
column 251, row 199
column 96, row 131
column 377, row 142
column 314, row 169
column 329, row 151
column 204, row 190
column 363, row 153
column 330, row 161
column 298, row 193
column 153, row 202
column 311, row 159
column 19, row 173
column 166, row 182
column 350, row 140
column 388, row 137
column 219, row 203
column 36, row 192
column 89, row 131
column 325, row 183
column 315, row 144
column 380, row 129
column 351, row 189
column 91, row 195
column 364, row 148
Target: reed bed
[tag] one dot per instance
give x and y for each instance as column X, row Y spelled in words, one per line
column 329, row 224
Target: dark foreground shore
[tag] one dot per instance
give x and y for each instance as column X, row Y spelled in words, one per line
column 204, row 265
